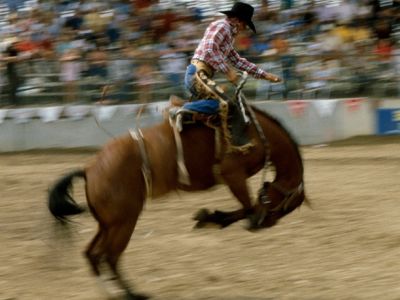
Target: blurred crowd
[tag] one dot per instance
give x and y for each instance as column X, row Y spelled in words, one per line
column 136, row 44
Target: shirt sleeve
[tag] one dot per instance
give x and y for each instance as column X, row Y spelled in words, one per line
column 243, row 64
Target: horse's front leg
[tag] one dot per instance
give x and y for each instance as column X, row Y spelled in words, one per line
column 220, row 218
column 236, row 181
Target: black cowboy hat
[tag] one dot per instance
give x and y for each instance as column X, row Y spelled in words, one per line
column 243, row 12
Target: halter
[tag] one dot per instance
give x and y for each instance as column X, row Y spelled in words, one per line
column 288, row 194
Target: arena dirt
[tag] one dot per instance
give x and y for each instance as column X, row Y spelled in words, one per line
column 346, row 247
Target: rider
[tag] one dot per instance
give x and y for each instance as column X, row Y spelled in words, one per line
column 216, row 53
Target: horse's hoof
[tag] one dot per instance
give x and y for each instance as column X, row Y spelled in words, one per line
column 252, row 228
column 199, row 225
column 253, row 223
column 202, row 215
column 134, row 296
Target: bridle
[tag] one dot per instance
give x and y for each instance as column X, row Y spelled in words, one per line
column 288, row 195
column 263, row 199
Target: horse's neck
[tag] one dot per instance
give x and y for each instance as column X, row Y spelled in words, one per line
column 283, row 149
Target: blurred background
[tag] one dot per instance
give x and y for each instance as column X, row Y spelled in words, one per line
column 68, row 50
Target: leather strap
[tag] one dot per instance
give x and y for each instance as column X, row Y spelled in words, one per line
column 202, row 66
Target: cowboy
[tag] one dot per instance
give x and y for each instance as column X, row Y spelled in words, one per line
column 216, row 53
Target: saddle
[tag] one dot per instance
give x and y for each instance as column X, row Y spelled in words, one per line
column 224, row 117
column 221, row 114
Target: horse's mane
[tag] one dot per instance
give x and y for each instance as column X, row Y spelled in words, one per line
column 279, row 124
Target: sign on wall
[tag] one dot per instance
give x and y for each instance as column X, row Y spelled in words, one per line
column 388, row 121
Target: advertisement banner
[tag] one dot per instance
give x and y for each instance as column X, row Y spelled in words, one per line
column 297, row 107
column 388, row 121
column 354, row 104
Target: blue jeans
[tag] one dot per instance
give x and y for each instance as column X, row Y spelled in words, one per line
column 205, row 106
column 189, row 80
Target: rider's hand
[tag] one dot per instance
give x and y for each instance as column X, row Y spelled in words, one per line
column 272, row 78
column 232, row 76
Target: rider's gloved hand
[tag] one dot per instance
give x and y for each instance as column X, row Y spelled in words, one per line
column 272, row 78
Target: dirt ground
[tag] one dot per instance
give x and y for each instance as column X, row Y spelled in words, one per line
column 346, row 247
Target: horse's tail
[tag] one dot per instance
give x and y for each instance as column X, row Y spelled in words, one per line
column 60, row 202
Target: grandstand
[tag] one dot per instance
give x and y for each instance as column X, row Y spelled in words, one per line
column 350, row 73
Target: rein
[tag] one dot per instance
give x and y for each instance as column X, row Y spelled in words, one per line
column 261, row 134
column 263, row 199
column 245, row 106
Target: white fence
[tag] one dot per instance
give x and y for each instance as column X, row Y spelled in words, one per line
column 310, row 122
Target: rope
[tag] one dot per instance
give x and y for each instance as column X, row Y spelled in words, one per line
column 103, row 94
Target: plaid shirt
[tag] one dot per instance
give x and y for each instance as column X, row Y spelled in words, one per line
column 216, row 50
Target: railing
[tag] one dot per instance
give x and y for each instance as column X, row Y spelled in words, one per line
column 306, row 77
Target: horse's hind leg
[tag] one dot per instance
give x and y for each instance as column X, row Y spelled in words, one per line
column 96, row 254
column 107, row 246
column 118, row 239
column 93, row 252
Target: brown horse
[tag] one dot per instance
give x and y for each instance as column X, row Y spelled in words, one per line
column 116, row 186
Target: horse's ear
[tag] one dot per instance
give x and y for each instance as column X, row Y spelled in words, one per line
column 176, row 101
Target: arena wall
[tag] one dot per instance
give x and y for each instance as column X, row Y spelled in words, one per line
column 310, row 122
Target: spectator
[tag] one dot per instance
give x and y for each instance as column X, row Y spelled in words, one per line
column 70, row 73
column 280, row 43
column 172, row 62
column 95, row 21
column 97, row 60
column 97, row 67
column 346, row 11
column 145, row 80
column 383, row 50
column 166, row 20
column 320, row 77
column 11, row 59
column 259, row 44
column 75, row 22
column 243, row 43
column 383, row 29
column 120, row 70
column 113, row 31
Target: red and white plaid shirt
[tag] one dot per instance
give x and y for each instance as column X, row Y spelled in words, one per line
column 216, row 50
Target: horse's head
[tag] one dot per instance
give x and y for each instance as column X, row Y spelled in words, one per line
column 275, row 202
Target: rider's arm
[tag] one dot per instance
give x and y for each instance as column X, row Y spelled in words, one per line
column 243, row 64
